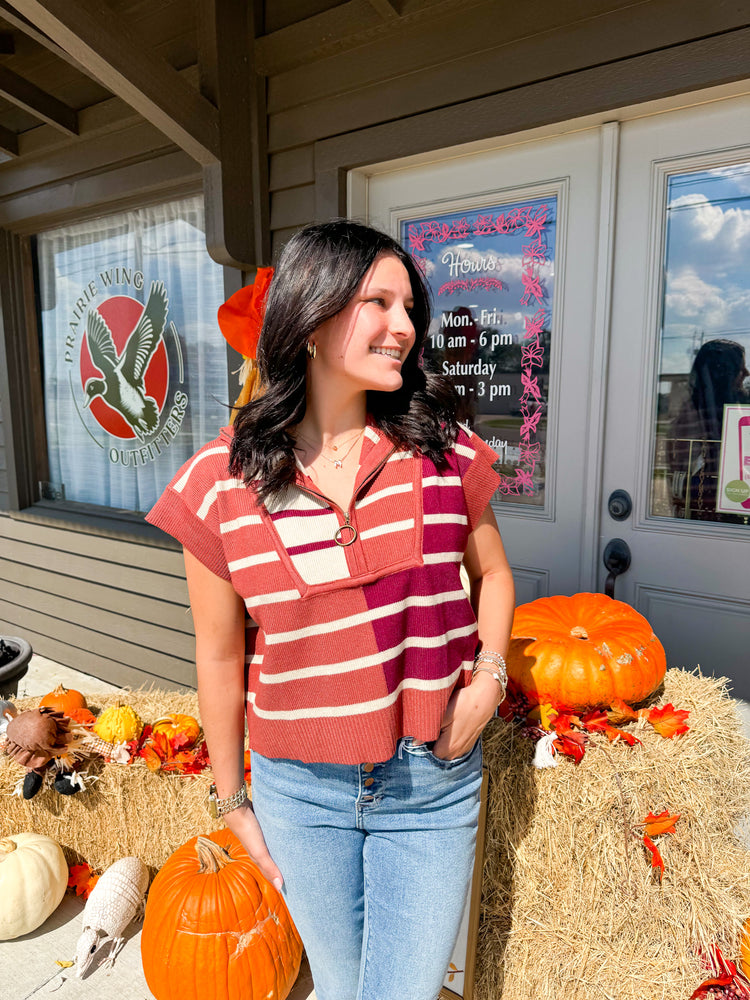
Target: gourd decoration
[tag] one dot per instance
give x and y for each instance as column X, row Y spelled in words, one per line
column 583, row 652
column 64, row 700
column 118, row 724
column 176, row 724
column 33, row 879
column 215, row 928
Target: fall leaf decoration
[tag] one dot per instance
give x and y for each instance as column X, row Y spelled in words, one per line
column 573, row 729
column 727, row 980
column 175, row 753
column 82, row 879
column 653, row 826
column 668, row 721
column 663, row 823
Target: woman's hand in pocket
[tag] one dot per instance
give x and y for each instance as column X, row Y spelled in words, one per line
column 467, row 713
column 244, row 825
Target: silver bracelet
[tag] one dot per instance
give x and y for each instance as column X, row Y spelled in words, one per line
column 499, row 676
column 488, row 656
column 218, row 807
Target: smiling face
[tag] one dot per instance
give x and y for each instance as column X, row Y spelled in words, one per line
column 364, row 346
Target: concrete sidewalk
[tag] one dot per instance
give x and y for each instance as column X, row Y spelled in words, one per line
column 28, row 963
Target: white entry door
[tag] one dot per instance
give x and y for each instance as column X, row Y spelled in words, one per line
column 509, row 240
column 678, row 405
column 620, row 323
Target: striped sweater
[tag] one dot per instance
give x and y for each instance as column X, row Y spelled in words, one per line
column 349, row 647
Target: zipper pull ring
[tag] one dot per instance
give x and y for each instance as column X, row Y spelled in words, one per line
column 340, row 538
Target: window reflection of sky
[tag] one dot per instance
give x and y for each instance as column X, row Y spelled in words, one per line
column 707, row 281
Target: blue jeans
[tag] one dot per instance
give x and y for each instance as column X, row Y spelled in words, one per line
column 377, row 860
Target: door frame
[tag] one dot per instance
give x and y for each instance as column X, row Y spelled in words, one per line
column 603, row 256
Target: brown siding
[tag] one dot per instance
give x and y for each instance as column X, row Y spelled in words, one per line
column 114, row 608
column 463, row 57
column 3, row 466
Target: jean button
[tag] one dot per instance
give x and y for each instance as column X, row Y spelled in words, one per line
column 368, row 767
column 367, row 798
column 369, row 781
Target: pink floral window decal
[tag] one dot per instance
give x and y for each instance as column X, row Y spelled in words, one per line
column 491, row 273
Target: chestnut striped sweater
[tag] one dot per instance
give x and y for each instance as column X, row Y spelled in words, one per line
column 348, row 647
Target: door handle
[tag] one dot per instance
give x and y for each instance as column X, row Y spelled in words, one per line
column 617, row 558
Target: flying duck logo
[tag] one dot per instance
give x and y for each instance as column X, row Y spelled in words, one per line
column 124, row 367
column 124, row 370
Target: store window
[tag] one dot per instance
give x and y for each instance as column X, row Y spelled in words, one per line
column 135, row 370
column 701, row 459
column 491, row 273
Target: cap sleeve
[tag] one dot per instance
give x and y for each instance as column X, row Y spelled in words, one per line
column 478, row 477
column 187, row 509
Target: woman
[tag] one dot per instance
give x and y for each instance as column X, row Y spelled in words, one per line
column 323, row 541
column 716, row 380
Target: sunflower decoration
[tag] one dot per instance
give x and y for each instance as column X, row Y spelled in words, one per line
column 240, row 321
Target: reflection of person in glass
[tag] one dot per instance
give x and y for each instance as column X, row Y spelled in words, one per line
column 694, row 447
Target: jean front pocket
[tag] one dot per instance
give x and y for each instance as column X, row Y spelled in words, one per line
column 448, row 763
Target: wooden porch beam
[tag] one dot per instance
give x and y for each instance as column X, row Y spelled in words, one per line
column 8, row 141
column 236, row 188
column 31, row 31
column 386, row 8
column 36, row 101
column 108, row 50
column 331, row 30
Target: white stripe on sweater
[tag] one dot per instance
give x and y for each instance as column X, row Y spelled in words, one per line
column 179, row 486
column 387, row 529
column 255, row 560
column 446, row 519
column 221, row 487
column 431, row 558
column 362, row 662
column 441, row 481
column 259, row 600
column 240, row 522
column 382, row 494
column 362, row 707
column 362, row 617
column 462, row 449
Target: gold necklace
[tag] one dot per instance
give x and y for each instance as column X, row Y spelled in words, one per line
column 337, row 463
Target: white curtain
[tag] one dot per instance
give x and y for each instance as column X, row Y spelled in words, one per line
column 101, row 274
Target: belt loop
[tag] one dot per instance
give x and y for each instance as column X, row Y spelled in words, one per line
column 400, row 751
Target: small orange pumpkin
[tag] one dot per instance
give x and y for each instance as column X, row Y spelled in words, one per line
column 215, row 928
column 176, row 724
column 63, row 700
column 745, row 949
column 583, row 652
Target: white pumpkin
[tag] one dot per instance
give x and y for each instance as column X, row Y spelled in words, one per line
column 33, row 879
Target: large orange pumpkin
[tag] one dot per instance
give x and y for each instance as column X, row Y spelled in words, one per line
column 215, row 929
column 745, row 949
column 582, row 652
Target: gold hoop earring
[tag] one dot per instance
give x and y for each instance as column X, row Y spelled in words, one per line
column 312, row 349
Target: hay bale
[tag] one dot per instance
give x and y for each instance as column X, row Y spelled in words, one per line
column 568, row 911
column 128, row 811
